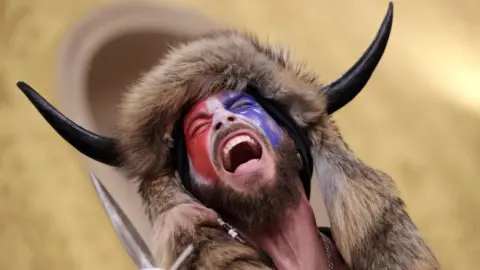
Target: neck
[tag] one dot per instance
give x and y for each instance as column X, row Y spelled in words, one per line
column 293, row 243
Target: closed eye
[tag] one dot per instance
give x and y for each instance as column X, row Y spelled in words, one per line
column 241, row 104
column 197, row 128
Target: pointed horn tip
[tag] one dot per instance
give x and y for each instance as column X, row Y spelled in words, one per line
column 362, row 67
column 23, row 86
column 387, row 21
column 390, row 10
column 28, row 91
column 95, row 146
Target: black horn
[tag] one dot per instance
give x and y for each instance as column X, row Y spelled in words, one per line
column 97, row 147
column 344, row 89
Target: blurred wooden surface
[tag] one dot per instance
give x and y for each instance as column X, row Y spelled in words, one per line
column 418, row 119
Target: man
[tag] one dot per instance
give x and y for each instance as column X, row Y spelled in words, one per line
column 227, row 127
column 245, row 166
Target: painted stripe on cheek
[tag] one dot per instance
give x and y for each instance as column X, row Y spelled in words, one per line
column 198, row 146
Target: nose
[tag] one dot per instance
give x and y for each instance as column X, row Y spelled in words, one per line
column 223, row 119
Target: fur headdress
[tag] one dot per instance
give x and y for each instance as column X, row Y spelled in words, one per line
column 206, row 65
column 201, row 67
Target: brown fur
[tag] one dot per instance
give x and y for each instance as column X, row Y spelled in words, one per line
column 369, row 223
column 178, row 220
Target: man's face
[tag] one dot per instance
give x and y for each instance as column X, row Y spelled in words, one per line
column 243, row 164
column 230, row 137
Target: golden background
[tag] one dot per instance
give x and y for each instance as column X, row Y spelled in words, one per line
column 418, row 119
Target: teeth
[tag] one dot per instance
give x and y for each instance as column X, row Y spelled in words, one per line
column 235, row 141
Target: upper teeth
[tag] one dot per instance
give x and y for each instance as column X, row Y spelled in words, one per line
column 235, row 141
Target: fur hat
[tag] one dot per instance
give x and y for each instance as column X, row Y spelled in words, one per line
column 200, row 67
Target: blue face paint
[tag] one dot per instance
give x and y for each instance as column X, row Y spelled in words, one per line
column 245, row 105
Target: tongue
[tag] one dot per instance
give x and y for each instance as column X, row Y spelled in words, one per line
column 247, row 167
column 241, row 154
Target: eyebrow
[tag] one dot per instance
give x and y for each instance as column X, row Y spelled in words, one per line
column 229, row 101
column 199, row 115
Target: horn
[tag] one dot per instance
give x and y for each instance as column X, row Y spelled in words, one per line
column 344, row 89
column 97, row 147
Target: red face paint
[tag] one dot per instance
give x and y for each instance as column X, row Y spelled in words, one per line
column 197, row 129
column 198, row 132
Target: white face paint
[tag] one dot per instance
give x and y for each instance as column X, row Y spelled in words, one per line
column 203, row 120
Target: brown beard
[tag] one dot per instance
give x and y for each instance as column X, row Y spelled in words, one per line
column 267, row 203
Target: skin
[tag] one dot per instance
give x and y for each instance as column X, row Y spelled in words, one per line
column 293, row 244
column 206, row 129
column 369, row 222
column 290, row 237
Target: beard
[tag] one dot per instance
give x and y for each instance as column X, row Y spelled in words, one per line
column 266, row 202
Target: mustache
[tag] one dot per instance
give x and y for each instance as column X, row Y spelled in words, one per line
column 234, row 127
column 225, row 132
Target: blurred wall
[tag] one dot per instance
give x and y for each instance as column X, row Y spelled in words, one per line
column 418, row 119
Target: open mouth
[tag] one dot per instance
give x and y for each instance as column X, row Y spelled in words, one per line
column 240, row 150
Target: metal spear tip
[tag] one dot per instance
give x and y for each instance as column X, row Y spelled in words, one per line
column 131, row 239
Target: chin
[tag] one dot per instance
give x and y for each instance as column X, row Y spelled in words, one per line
column 244, row 160
column 257, row 184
